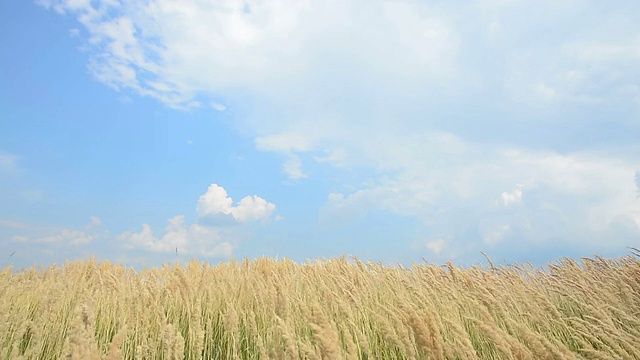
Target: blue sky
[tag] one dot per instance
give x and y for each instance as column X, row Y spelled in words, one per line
column 393, row 131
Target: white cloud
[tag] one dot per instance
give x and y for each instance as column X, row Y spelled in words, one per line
column 285, row 143
column 202, row 239
column 496, row 235
column 545, row 91
column 512, row 198
column 59, row 236
column 10, row 224
column 595, row 71
column 320, row 55
column 31, row 195
column 222, row 250
column 334, row 157
column 293, row 168
column 8, row 163
column 216, row 201
column 252, row 208
column 176, row 237
column 174, row 53
column 95, row 222
column 193, row 240
column 436, row 246
column 68, row 236
column 572, row 200
column 218, row 106
column 20, row 238
column 413, row 93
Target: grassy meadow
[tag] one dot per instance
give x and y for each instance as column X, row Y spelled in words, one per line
column 335, row 309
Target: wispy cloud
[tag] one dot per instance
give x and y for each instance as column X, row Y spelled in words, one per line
column 59, row 236
column 446, row 111
column 288, row 144
column 436, row 246
column 8, row 163
column 578, row 199
column 10, row 224
column 67, row 236
column 285, row 143
column 176, row 61
column 218, row 106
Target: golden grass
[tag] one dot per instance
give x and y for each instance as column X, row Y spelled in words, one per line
column 335, row 309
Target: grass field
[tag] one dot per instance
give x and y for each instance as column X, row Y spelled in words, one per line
column 335, row 309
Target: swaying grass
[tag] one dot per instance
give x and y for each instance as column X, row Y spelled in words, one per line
column 336, row 309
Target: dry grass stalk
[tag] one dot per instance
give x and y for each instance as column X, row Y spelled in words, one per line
column 332, row 309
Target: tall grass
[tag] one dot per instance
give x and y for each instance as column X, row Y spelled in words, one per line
column 335, row 309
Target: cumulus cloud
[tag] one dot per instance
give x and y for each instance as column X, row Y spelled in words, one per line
column 512, row 198
column 216, row 202
column 195, row 239
column 199, row 238
column 252, row 208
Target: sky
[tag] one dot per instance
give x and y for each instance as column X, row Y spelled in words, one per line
column 395, row 131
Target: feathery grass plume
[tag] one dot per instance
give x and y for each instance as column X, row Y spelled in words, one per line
column 363, row 342
column 290, row 346
column 325, row 334
column 351, row 349
column 309, row 351
column 388, row 335
column 427, row 335
column 172, row 343
column 463, row 349
column 116, row 346
column 496, row 340
column 196, row 328
column 610, row 335
column 536, row 343
column 324, row 309
column 81, row 343
column 231, row 326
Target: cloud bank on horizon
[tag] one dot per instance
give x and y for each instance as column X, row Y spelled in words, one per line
column 199, row 239
column 501, row 125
